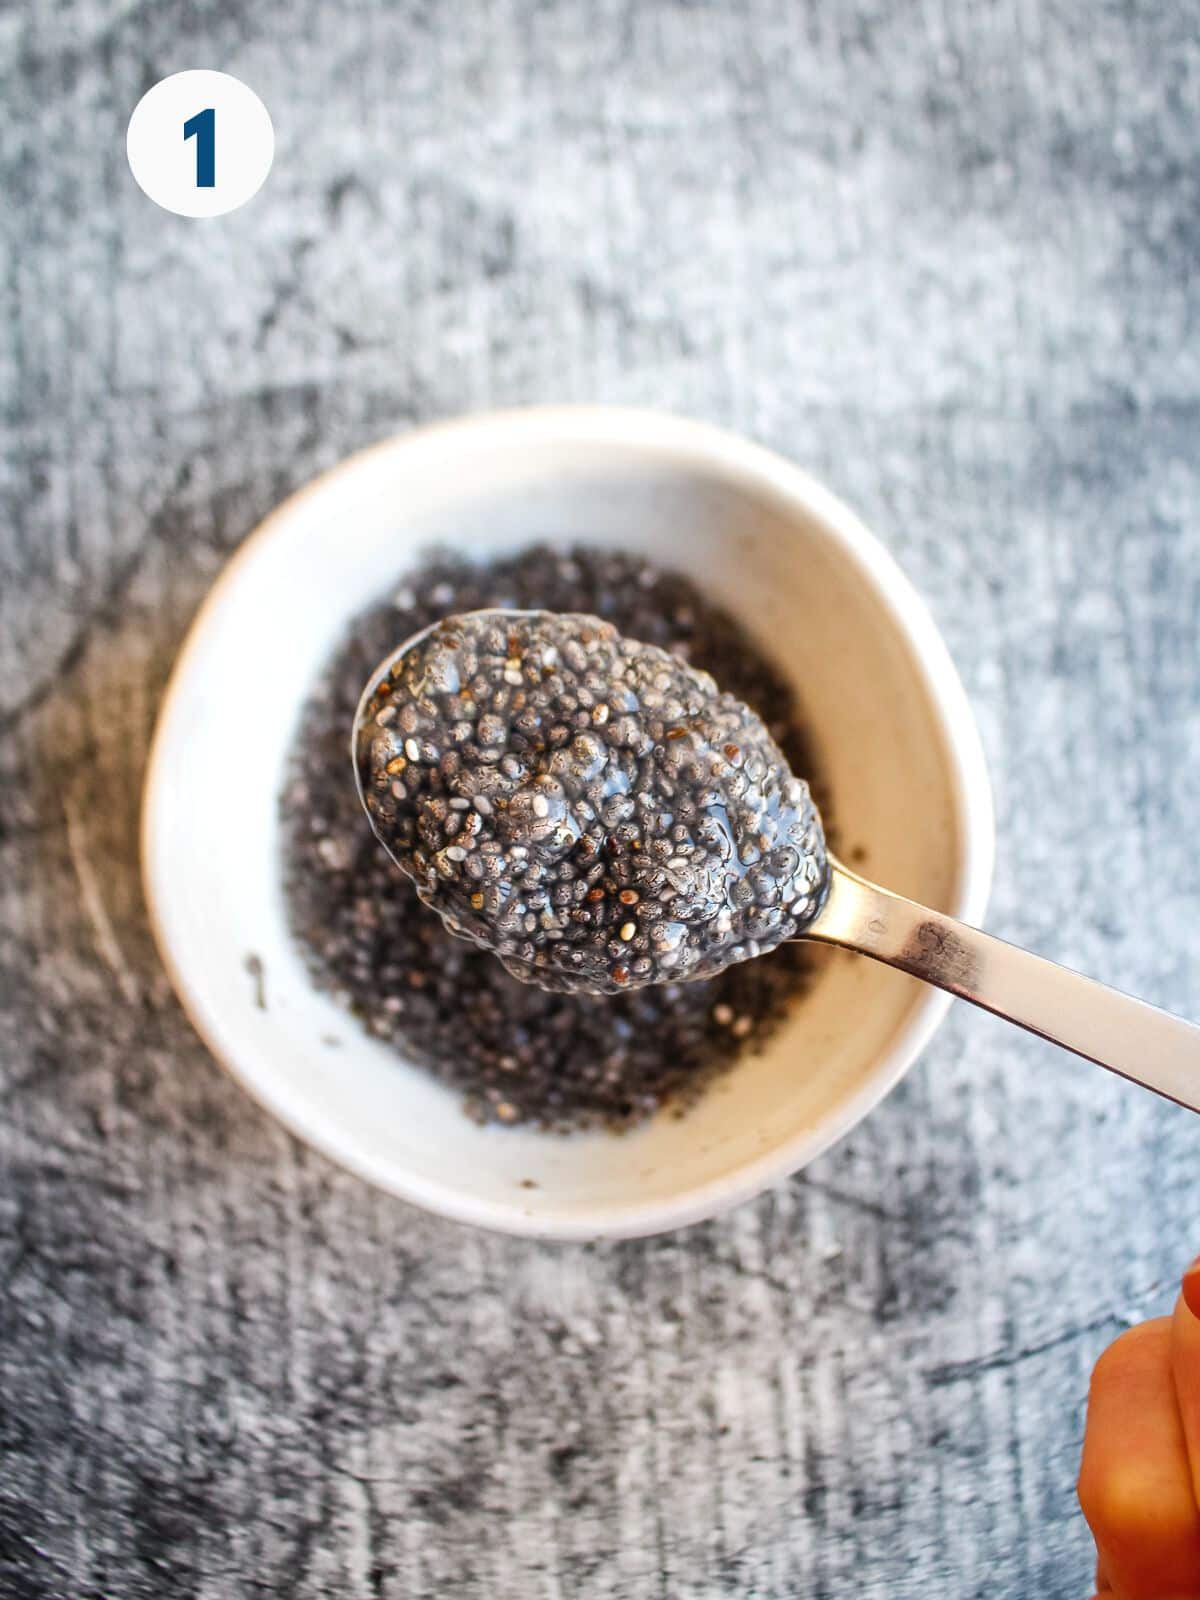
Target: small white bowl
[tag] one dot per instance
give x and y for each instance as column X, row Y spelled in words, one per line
column 894, row 733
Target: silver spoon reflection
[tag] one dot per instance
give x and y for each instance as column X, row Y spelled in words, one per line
column 601, row 816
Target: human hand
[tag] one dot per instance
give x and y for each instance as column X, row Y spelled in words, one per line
column 1139, row 1480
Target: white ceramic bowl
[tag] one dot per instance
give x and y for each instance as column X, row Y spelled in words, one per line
column 893, row 729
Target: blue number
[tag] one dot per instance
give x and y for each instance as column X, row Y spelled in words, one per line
column 204, row 126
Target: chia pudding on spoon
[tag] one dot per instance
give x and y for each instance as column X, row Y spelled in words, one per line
column 593, row 810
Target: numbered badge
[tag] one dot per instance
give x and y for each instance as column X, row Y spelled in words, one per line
column 200, row 143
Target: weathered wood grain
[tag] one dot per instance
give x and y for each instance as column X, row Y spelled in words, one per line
column 945, row 255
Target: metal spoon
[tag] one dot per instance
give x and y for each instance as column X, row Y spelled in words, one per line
column 1128, row 1036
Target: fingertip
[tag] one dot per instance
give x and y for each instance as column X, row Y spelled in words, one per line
column 1191, row 1288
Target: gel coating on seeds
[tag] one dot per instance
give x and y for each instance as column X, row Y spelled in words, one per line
column 591, row 809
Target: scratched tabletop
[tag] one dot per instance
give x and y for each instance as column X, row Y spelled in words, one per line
column 944, row 255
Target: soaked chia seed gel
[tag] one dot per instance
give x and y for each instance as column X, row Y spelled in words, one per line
column 517, row 1053
column 592, row 809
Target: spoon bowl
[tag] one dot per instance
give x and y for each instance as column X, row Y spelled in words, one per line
column 592, row 810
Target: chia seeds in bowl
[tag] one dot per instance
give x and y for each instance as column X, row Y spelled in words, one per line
column 518, row 1053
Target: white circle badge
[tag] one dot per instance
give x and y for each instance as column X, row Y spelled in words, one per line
column 200, row 143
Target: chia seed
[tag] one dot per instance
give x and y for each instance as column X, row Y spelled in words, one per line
column 515, row 1052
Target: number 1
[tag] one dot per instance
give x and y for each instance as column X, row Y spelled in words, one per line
column 204, row 126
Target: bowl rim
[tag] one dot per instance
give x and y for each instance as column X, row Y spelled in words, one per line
column 746, row 466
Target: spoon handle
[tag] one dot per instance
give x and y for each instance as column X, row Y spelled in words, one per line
column 1127, row 1036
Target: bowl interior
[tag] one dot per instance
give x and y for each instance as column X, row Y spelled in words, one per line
column 887, row 721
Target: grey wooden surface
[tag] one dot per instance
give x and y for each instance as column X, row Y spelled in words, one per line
column 945, row 255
